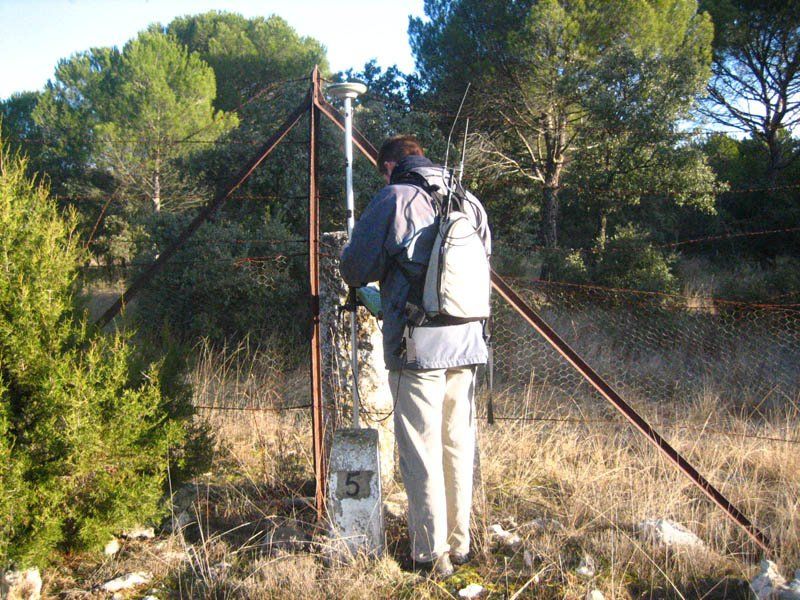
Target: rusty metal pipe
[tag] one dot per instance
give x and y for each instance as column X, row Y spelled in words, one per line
column 535, row 321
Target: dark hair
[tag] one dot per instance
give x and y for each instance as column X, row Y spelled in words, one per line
column 396, row 148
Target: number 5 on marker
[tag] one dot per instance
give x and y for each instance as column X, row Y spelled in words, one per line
column 353, row 484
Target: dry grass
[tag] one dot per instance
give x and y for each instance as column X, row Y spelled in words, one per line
column 597, row 480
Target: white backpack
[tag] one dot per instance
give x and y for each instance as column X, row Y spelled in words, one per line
column 457, row 282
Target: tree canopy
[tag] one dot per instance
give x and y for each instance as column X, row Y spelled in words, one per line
column 553, row 80
column 756, row 83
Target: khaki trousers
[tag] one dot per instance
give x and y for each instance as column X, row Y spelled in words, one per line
column 434, row 423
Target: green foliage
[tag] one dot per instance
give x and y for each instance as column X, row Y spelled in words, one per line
column 247, row 54
column 114, row 121
column 161, row 95
column 210, row 289
column 590, row 91
column 630, row 261
column 17, row 126
column 756, row 77
column 84, row 437
column 776, row 280
column 568, row 266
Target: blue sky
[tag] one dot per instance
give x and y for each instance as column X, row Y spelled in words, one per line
column 35, row 34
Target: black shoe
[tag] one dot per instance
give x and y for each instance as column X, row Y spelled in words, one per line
column 459, row 559
column 441, row 568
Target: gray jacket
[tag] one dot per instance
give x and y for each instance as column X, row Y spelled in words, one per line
column 391, row 242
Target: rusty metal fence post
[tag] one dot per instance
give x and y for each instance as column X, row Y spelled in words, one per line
column 317, row 416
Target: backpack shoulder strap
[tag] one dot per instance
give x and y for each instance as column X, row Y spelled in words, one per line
column 417, row 180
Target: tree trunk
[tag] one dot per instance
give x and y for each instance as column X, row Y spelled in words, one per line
column 774, row 161
column 157, row 192
column 602, row 230
column 549, row 230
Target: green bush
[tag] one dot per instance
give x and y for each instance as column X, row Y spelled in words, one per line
column 629, row 260
column 567, row 265
column 85, row 434
column 776, row 280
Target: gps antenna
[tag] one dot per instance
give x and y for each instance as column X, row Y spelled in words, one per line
column 348, row 91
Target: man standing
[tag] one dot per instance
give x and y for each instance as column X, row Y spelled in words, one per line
column 431, row 362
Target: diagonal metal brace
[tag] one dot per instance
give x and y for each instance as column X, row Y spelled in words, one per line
column 580, row 365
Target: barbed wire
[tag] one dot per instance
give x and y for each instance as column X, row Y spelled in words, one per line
column 701, row 303
column 373, row 415
column 699, row 240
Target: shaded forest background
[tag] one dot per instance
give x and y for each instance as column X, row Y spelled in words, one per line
column 604, row 137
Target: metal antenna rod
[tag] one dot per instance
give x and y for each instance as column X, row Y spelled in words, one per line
column 450, row 135
column 463, row 152
column 348, row 92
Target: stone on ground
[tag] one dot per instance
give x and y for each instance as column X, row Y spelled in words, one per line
column 528, row 559
column 179, row 522
column 126, row 582
column 112, row 547
column 21, row 585
column 139, row 533
column 394, row 509
column 285, row 536
column 769, row 584
column 595, row 595
column 543, row 524
column 587, row 567
column 668, row 533
column 472, row 591
column 504, row 539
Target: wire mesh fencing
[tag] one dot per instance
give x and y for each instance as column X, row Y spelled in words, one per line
column 662, row 352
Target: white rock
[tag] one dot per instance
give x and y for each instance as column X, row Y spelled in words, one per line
column 595, row 595
column 112, row 547
column 473, row 590
column 150, row 597
column 21, row 585
column 545, row 524
column 527, row 559
column 505, row 538
column 139, row 533
column 668, row 533
column 769, row 584
column 126, row 582
column 587, row 567
column 795, row 584
column 394, row 509
column 179, row 522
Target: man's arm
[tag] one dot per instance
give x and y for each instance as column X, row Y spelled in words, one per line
column 365, row 257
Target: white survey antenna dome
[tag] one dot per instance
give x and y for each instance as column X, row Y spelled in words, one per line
column 348, row 89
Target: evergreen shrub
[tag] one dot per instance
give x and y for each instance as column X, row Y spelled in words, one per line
column 629, row 260
column 86, row 432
